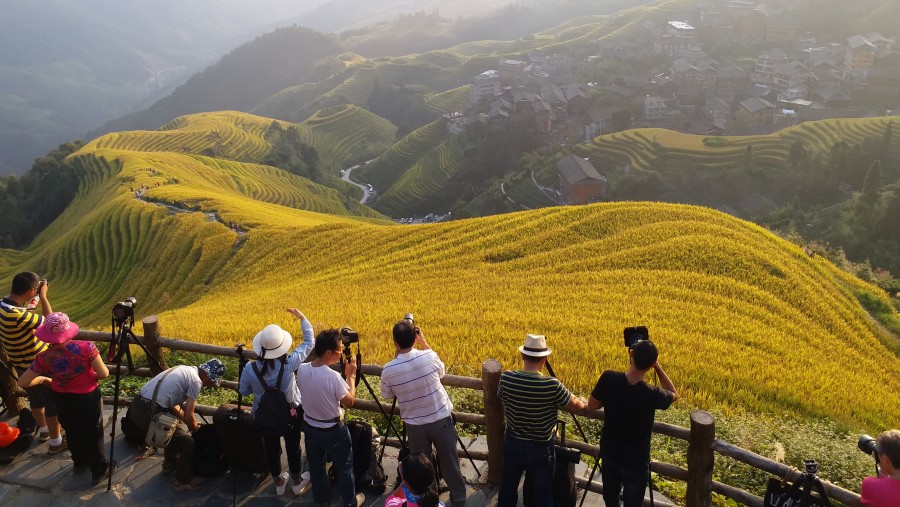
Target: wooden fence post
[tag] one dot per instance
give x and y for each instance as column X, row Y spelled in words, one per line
column 700, row 458
column 8, row 386
column 494, row 420
column 151, row 340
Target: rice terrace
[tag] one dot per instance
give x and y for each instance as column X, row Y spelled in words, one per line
column 413, row 162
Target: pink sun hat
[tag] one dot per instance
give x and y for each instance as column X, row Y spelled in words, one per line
column 57, row 328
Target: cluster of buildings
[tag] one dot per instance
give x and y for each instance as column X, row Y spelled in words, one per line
column 795, row 79
column 538, row 92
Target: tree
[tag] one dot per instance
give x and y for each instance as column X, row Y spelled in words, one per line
column 797, row 155
column 748, row 156
column 887, row 138
column 872, row 183
column 621, row 120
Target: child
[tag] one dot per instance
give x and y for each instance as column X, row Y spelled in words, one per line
column 72, row 368
column 418, row 488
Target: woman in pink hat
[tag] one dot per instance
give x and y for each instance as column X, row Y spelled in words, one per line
column 72, row 368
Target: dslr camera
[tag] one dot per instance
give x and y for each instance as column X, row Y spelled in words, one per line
column 867, row 444
column 412, row 322
column 123, row 310
column 635, row 334
column 348, row 336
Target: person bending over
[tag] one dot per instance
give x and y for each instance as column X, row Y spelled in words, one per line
column 630, row 405
column 179, row 385
column 417, row 486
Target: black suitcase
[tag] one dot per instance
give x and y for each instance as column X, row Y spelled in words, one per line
column 243, row 448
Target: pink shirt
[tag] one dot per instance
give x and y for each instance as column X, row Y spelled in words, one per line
column 880, row 492
column 397, row 501
column 69, row 365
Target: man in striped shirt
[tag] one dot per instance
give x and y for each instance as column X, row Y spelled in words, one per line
column 17, row 325
column 414, row 377
column 530, row 403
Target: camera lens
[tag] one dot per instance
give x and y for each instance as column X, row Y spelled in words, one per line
column 867, row 444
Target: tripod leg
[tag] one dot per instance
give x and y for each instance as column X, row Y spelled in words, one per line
column 589, row 481
column 112, row 434
column 387, row 430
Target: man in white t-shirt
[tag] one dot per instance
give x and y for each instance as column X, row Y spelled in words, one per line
column 324, row 393
column 414, row 377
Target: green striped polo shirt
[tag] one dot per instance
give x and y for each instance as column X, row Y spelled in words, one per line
column 17, row 334
column 530, row 402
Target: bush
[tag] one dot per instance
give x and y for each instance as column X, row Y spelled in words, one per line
column 715, row 141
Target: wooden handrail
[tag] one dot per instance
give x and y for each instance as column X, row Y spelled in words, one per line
column 698, row 475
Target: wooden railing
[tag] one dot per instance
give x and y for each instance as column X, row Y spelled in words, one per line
column 702, row 443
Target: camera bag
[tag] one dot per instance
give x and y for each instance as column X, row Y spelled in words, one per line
column 240, row 443
column 162, row 424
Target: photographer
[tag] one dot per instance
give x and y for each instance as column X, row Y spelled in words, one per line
column 276, row 368
column 17, row 324
column 884, row 491
column 414, row 377
column 530, row 404
column 324, row 392
column 630, row 405
column 182, row 385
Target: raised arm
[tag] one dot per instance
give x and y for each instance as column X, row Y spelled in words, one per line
column 664, row 381
column 309, row 340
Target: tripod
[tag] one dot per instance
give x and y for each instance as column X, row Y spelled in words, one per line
column 122, row 337
column 242, row 361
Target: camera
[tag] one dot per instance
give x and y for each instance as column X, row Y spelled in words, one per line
column 409, row 318
column 123, row 310
column 811, row 466
column 867, row 444
column 635, row 334
column 348, row 336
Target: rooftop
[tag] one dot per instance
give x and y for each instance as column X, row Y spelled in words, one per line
column 576, row 170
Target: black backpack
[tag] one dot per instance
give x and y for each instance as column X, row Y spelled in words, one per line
column 366, row 469
column 273, row 414
column 209, row 459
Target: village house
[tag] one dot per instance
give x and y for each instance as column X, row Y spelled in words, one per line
column 859, row 58
column 718, row 111
column 655, row 108
column 792, row 74
column 485, row 86
column 766, row 63
column 512, row 69
column 760, row 110
column 884, row 78
column 677, row 38
column 580, row 181
column 781, row 29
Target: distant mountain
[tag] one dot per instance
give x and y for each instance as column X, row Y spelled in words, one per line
column 67, row 67
column 242, row 79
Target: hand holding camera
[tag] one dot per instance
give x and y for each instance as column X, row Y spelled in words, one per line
column 350, row 368
column 42, row 288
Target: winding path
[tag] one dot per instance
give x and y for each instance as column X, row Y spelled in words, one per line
column 346, row 177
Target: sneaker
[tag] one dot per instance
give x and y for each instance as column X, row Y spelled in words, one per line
column 283, row 479
column 195, row 483
column 44, row 436
column 303, row 486
column 54, row 449
column 96, row 479
column 79, row 468
column 360, row 499
column 168, row 468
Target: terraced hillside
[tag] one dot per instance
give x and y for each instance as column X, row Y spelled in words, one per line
column 347, row 134
column 385, row 170
column 425, row 180
column 642, row 148
column 726, row 301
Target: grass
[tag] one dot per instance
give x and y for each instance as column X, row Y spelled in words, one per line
column 346, row 134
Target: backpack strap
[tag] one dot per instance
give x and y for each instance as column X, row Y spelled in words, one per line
column 156, row 391
column 263, row 382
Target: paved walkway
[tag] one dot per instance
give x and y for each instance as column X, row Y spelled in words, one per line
column 37, row 479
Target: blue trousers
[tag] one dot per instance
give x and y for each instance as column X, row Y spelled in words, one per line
column 629, row 479
column 537, row 459
column 333, row 443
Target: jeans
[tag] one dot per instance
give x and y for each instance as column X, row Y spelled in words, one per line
column 618, row 477
column 81, row 416
column 334, row 443
column 537, row 459
column 291, row 448
column 443, row 435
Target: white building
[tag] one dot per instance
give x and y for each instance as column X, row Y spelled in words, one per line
column 485, row 86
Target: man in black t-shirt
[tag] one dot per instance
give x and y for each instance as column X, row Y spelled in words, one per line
column 630, row 405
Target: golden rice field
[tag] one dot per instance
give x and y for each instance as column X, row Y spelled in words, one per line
column 743, row 318
column 385, row 170
column 642, row 147
column 425, row 178
column 347, row 134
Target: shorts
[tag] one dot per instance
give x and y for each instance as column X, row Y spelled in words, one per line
column 41, row 396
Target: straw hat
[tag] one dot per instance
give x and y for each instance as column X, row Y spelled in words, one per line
column 535, row 346
column 272, row 342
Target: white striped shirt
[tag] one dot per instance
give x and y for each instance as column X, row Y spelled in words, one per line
column 415, row 379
